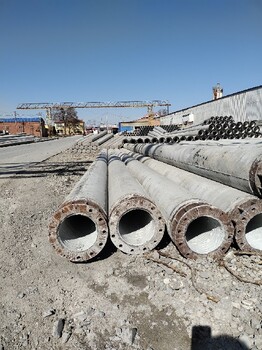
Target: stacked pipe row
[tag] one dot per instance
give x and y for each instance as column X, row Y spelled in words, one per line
column 226, row 175
column 13, row 140
column 204, row 196
column 144, row 130
column 107, row 196
column 218, row 119
column 96, row 142
column 215, row 128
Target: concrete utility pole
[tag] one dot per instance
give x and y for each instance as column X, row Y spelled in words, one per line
column 235, row 165
column 195, row 226
column 136, row 224
column 78, row 229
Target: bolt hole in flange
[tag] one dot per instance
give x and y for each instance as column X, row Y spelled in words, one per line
column 77, row 233
column 136, row 227
column 204, row 235
column 254, row 232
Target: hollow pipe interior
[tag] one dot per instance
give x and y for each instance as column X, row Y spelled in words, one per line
column 77, row 233
column 204, row 235
column 136, row 227
column 254, row 232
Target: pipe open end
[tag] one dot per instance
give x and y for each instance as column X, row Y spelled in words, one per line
column 136, row 227
column 77, row 233
column 254, row 232
column 204, row 235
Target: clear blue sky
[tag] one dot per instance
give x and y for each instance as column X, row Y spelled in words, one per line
column 114, row 50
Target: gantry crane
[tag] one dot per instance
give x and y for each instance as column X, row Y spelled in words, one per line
column 120, row 104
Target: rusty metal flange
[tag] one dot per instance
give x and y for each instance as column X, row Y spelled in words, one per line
column 180, row 224
column 246, row 212
column 87, row 209
column 150, row 236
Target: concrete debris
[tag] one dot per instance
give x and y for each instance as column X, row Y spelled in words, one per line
column 127, row 334
column 58, row 328
column 65, row 337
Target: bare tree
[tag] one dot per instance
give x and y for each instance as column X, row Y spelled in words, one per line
column 68, row 116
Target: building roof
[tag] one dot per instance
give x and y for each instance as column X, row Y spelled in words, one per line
column 20, row 120
column 221, row 98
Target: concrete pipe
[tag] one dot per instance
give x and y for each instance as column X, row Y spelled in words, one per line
column 195, row 128
column 78, row 229
column 160, row 129
column 154, row 140
column 115, row 142
column 186, row 133
column 98, row 136
column 153, row 134
column 245, row 210
column 195, row 227
column 176, row 139
column 169, row 139
column 104, row 139
column 109, row 143
column 248, row 226
column 126, row 140
column 136, row 224
column 158, row 132
column 235, row 165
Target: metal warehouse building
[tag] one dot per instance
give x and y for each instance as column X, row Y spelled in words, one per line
column 242, row 105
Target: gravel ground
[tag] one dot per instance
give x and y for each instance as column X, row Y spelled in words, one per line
column 116, row 301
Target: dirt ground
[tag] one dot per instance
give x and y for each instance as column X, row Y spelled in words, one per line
column 116, row 301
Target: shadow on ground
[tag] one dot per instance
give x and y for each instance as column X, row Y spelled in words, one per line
column 10, row 170
column 202, row 339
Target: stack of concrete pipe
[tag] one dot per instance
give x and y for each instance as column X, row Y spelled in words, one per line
column 107, row 196
column 144, row 130
column 149, row 139
column 215, row 128
column 229, row 175
column 13, row 140
column 198, row 188
column 102, row 140
column 195, row 226
column 115, row 142
column 205, row 195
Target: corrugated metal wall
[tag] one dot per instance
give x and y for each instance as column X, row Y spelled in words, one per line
column 245, row 105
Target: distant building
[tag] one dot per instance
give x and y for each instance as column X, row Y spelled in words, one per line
column 70, row 128
column 132, row 125
column 243, row 105
column 29, row 126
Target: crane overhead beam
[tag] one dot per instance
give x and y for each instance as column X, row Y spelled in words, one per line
column 60, row 105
